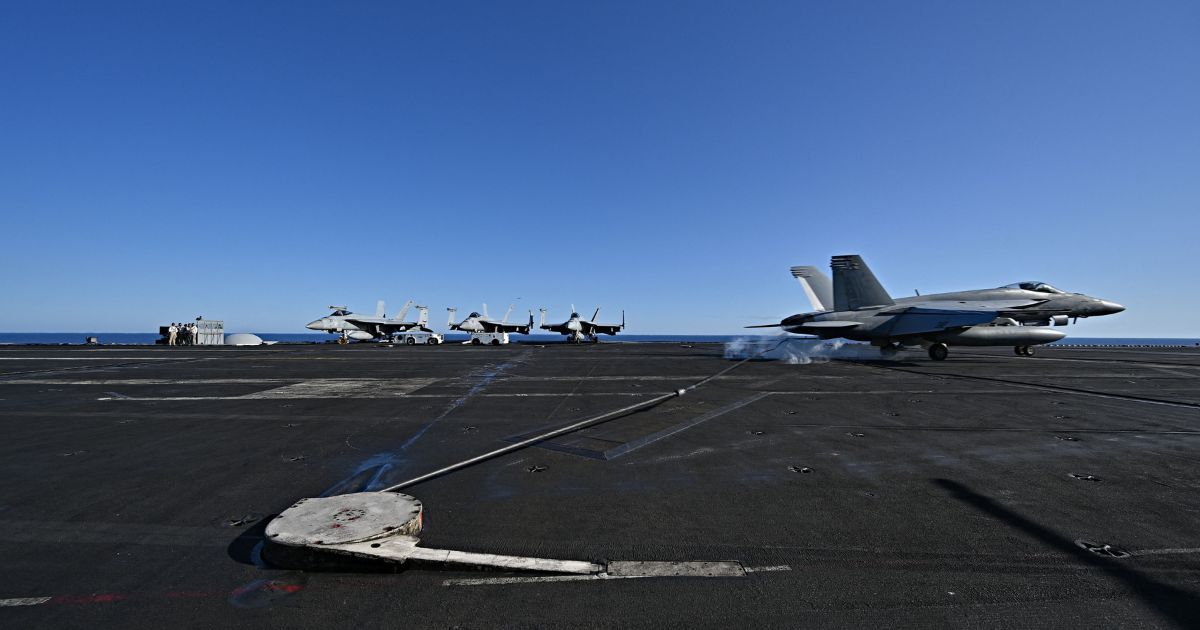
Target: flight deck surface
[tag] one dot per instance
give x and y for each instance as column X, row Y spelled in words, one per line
column 988, row 490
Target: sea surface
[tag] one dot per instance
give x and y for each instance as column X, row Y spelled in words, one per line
column 79, row 338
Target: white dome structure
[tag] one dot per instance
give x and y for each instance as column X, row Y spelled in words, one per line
column 243, row 339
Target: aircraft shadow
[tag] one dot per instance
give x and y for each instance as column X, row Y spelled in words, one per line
column 1179, row 606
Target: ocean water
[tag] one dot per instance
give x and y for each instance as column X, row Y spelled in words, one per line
column 78, row 338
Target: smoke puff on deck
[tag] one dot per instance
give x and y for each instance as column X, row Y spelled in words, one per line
column 797, row 350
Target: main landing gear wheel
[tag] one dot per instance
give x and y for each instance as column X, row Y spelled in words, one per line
column 939, row 352
column 410, row 341
column 1024, row 351
column 889, row 350
column 343, row 341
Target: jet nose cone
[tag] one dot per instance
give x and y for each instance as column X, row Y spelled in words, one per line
column 315, row 325
column 1109, row 308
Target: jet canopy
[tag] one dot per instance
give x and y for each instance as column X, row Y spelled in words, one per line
column 340, row 312
column 1040, row 287
column 574, row 315
column 476, row 315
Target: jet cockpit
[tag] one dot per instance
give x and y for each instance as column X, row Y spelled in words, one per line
column 1040, row 287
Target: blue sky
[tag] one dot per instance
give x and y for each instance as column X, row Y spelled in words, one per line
column 255, row 162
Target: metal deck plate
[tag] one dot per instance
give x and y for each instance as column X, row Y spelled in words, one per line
column 346, row 518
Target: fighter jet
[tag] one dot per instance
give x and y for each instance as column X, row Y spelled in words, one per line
column 477, row 323
column 579, row 330
column 1030, row 303
column 863, row 311
column 365, row 327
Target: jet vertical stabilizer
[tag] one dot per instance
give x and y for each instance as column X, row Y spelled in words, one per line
column 816, row 286
column 379, row 309
column 404, row 310
column 854, row 286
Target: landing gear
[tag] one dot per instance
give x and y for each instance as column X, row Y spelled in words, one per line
column 343, row 340
column 939, row 352
column 888, row 351
column 1024, row 351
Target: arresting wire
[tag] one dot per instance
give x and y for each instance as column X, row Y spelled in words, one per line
column 582, row 424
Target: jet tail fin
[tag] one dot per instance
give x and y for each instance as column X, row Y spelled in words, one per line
column 379, row 309
column 543, row 311
column 450, row 318
column 509, row 312
column 854, row 286
column 596, row 314
column 404, row 311
column 816, row 286
column 423, row 316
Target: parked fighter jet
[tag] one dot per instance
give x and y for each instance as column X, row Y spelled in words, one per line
column 579, row 330
column 365, row 327
column 863, row 311
column 1039, row 303
column 477, row 323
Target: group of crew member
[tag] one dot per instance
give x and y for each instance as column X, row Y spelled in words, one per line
column 183, row 334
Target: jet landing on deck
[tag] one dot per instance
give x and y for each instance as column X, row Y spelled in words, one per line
column 855, row 306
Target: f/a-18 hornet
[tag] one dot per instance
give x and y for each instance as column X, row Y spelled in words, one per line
column 579, row 330
column 862, row 310
column 477, row 323
column 366, row 327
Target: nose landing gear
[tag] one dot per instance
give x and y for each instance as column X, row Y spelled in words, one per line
column 1024, row 351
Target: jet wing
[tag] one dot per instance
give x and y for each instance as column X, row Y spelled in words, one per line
column 915, row 320
column 380, row 323
column 605, row 329
column 961, row 305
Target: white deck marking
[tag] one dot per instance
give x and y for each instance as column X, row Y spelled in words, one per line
column 24, row 601
column 628, row 572
column 346, row 388
column 532, row 579
column 316, row 388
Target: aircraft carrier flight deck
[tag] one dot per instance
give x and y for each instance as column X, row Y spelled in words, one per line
column 989, row 490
